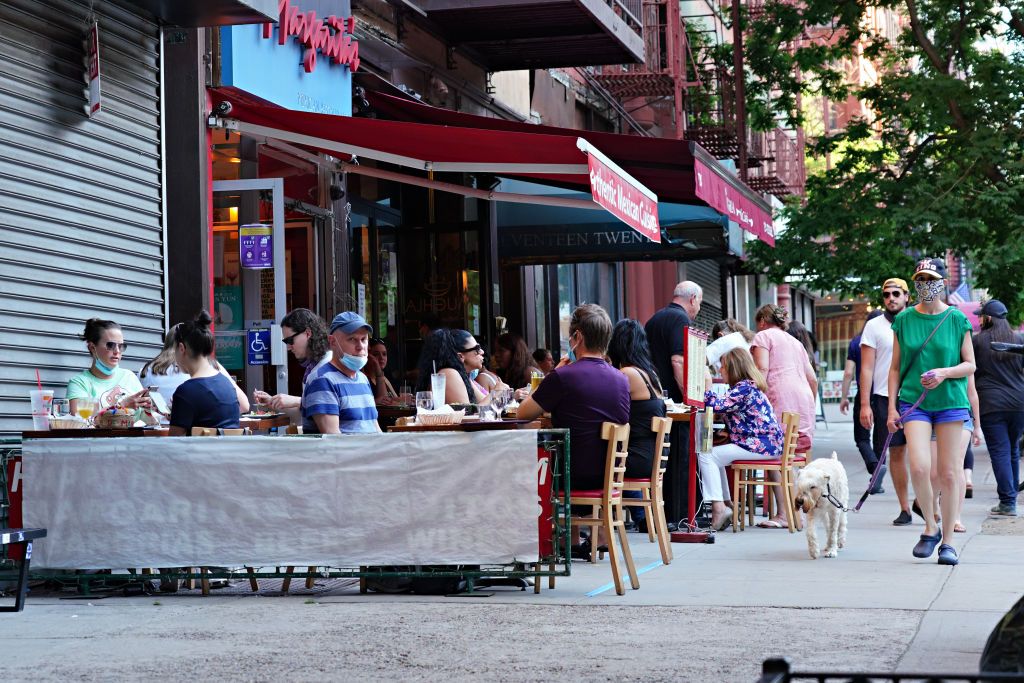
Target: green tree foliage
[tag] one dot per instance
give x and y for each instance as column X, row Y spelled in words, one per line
column 940, row 165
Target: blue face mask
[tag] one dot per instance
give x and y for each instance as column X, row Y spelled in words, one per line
column 572, row 352
column 353, row 363
column 104, row 368
column 473, row 374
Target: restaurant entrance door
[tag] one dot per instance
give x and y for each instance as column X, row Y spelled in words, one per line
column 376, row 277
column 256, row 343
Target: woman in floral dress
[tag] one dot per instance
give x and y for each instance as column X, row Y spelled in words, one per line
column 754, row 433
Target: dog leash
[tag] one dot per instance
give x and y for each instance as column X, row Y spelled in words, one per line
column 880, row 467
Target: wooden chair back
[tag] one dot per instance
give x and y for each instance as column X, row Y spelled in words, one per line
column 615, row 463
column 293, row 429
column 661, row 426
column 790, row 434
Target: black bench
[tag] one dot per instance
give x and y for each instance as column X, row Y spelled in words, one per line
column 22, row 537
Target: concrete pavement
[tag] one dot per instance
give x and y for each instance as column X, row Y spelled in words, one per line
column 712, row 615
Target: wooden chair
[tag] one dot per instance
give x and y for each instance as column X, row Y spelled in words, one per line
column 745, row 479
column 606, row 505
column 293, row 429
column 220, row 431
column 652, row 490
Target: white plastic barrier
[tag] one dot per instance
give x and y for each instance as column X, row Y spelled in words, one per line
column 387, row 499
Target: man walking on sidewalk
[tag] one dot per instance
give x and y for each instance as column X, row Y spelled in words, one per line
column 861, row 435
column 876, row 356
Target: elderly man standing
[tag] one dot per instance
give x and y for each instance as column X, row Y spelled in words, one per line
column 338, row 397
column 665, row 336
column 665, row 331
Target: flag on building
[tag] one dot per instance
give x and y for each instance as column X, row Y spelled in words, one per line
column 960, row 295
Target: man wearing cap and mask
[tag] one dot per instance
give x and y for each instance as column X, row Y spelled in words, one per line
column 875, row 357
column 338, row 397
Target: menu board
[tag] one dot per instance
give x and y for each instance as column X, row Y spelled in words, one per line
column 695, row 344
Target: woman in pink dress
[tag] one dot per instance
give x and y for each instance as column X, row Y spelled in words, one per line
column 792, row 385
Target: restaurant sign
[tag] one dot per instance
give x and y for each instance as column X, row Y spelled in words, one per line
column 721, row 195
column 621, row 195
column 331, row 37
column 256, row 246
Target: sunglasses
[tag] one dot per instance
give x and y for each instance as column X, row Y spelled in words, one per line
column 121, row 346
column 288, row 341
column 892, row 295
column 474, row 349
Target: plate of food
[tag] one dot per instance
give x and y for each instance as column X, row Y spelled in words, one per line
column 260, row 416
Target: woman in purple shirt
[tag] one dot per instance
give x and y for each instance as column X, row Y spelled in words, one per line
column 754, row 433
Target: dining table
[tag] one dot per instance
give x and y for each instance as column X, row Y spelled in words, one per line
column 470, row 424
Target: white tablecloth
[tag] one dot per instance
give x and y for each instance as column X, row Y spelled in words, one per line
column 386, row 499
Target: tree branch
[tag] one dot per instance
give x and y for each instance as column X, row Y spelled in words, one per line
column 914, row 155
column 1017, row 23
column 922, row 39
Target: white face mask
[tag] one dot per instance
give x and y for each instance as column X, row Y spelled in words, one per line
column 929, row 290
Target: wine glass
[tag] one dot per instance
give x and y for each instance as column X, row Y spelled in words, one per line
column 86, row 408
column 424, row 400
column 500, row 399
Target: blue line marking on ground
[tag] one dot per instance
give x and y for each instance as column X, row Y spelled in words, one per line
column 609, row 586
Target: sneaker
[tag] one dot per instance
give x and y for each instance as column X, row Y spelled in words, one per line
column 947, row 555
column 1004, row 510
column 904, row 519
column 876, row 490
column 926, row 546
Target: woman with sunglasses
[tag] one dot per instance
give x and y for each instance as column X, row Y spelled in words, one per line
column 304, row 333
column 105, row 381
column 454, row 354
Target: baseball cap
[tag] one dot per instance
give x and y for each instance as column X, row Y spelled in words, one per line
column 994, row 308
column 348, row 322
column 896, row 282
column 930, row 268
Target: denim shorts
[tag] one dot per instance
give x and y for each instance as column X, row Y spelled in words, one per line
column 934, row 416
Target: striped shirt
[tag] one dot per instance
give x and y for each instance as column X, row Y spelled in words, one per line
column 329, row 391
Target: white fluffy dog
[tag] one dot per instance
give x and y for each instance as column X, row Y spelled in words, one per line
column 819, row 487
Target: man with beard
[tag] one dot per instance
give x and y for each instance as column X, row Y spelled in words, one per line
column 875, row 358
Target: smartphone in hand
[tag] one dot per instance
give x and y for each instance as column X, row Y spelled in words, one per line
column 158, row 401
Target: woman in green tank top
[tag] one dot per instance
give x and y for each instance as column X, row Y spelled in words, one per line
column 933, row 355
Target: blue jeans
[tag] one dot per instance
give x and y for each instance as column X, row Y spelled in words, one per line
column 1002, row 434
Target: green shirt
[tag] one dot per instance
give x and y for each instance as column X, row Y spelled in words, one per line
column 943, row 351
column 87, row 385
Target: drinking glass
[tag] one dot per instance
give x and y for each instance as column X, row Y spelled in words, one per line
column 487, row 411
column 86, row 408
column 61, row 407
column 536, row 377
column 499, row 399
column 437, row 382
column 424, row 400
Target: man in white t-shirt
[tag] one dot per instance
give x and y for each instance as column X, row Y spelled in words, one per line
column 875, row 358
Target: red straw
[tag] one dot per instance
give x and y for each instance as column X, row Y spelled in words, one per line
column 38, row 380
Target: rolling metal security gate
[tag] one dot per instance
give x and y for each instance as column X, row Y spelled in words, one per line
column 708, row 275
column 81, row 210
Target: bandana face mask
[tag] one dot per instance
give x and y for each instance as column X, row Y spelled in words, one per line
column 928, row 290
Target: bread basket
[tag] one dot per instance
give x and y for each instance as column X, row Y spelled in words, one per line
column 68, row 422
column 436, row 419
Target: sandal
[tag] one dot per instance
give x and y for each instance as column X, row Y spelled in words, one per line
column 959, row 528
column 771, row 524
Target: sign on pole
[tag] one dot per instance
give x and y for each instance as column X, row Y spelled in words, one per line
column 621, row 194
column 93, row 68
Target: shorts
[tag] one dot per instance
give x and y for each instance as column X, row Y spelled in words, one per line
column 934, row 416
column 880, row 411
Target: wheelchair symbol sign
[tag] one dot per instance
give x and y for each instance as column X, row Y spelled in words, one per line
column 258, row 346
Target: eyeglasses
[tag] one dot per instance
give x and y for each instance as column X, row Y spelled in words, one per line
column 474, row 349
column 288, row 341
column 121, row 346
column 892, row 295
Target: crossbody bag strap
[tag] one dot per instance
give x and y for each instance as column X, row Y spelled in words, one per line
column 921, row 348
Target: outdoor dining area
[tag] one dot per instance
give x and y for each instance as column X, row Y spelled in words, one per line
column 461, row 480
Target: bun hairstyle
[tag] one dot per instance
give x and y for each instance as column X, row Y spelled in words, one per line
column 773, row 315
column 196, row 335
column 94, row 329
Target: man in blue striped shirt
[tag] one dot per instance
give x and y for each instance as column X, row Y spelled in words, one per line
column 338, row 398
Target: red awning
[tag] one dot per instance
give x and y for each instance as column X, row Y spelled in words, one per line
column 428, row 138
column 668, row 167
column 429, row 147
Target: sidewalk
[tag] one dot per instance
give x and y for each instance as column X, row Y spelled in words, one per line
column 712, row 615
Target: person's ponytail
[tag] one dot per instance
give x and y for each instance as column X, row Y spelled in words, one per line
column 196, row 335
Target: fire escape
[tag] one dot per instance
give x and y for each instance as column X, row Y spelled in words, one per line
column 682, row 92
